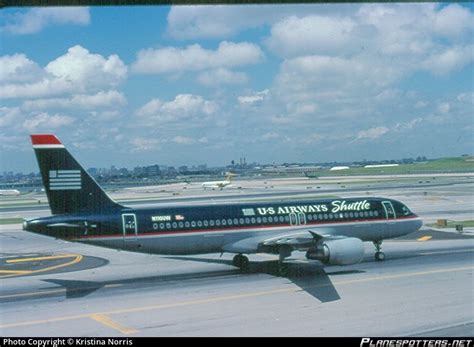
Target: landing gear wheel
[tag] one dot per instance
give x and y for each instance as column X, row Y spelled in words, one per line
column 379, row 256
column 241, row 261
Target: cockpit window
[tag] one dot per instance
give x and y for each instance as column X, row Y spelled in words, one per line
column 402, row 210
column 405, row 211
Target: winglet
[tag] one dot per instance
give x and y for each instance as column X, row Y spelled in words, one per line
column 46, row 141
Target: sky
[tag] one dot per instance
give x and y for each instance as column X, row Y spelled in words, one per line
column 186, row 85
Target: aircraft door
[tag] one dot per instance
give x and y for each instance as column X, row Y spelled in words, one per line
column 293, row 219
column 390, row 215
column 301, row 218
column 129, row 222
column 389, row 210
column 297, row 218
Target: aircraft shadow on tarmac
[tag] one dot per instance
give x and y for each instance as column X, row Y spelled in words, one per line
column 310, row 278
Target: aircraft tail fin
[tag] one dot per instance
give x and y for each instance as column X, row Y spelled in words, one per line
column 70, row 188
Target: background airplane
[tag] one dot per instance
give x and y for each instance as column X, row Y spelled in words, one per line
column 219, row 184
column 331, row 231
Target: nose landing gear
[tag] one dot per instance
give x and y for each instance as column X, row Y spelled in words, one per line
column 379, row 255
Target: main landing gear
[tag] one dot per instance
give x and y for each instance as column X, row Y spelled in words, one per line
column 241, row 261
column 379, row 255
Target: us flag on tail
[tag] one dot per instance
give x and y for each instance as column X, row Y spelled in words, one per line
column 64, row 179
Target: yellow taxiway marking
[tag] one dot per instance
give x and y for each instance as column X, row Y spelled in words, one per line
column 24, row 260
column 15, row 271
column 29, row 272
column 230, row 297
column 425, row 238
column 106, row 320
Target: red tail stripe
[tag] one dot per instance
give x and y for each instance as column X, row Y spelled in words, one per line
column 45, row 139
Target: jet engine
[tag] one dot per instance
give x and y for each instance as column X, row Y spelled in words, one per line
column 341, row 251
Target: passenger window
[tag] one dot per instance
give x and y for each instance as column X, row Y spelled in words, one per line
column 168, row 225
column 224, row 222
column 162, row 225
column 264, row 219
column 241, row 221
column 252, row 220
column 270, row 219
column 175, row 225
column 205, row 223
column 218, row 222
column 376, row 213
column 180, row 224
column 186, row 224
column 259, row 220
column 247, row 220
column 229, row 221
column 199, row 223
column 211, row 222
column 236, row 221
column 193, row 224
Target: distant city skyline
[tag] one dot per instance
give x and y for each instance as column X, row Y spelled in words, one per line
column 186, row 85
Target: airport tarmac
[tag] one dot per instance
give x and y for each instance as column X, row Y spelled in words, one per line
column 425, row 287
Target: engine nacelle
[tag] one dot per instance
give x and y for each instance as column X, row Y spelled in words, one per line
column 343, row 251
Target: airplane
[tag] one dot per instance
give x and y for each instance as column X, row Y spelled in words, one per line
column 9, row 192
column 219, row 184
column 332, row 231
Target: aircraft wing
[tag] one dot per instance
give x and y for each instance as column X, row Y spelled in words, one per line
column 297, row 240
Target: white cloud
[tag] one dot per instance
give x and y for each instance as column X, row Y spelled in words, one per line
column 223, row 21
column 18, row 68
column 36, row 19
column 9, row 116
column 83, row 68
column 444, row 107
column 184, row 107
column 454, row 21
column 192, row 22
column 295, row 36
column 466, row 97
column 141, row 144
column 77, row 71
column 270, row 136
column 183, row 140
column 372, row 133
column 221, row 76
column 103, row 99
column 254, row 98
column 407, row 125
column 450, row 59
column 196, row 58
column 46, row 121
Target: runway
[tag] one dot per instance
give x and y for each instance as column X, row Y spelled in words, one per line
column 424, row 287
